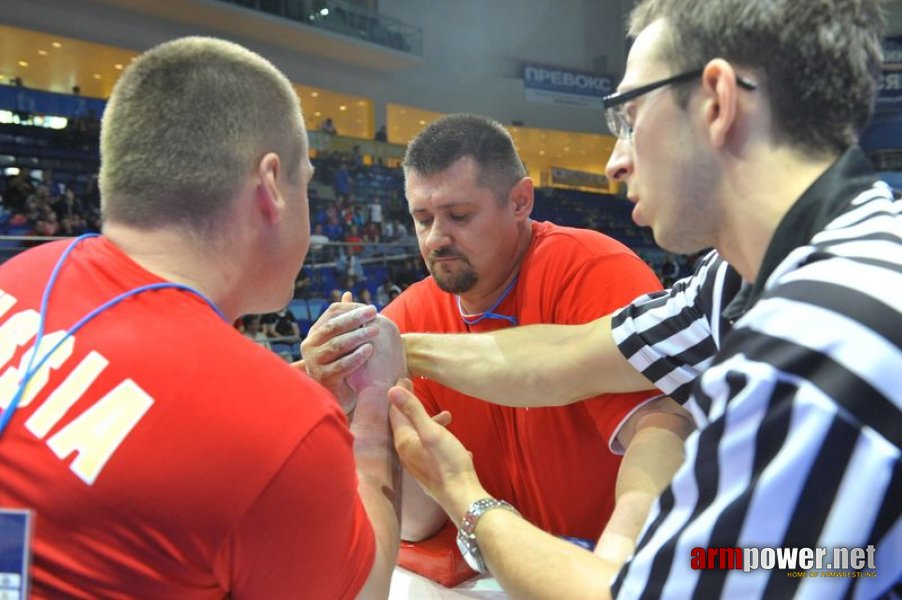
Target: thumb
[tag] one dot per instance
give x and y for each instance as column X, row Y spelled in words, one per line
column 410, row 408
column 347, row 297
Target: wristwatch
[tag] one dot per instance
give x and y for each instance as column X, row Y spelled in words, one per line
column 466, row 536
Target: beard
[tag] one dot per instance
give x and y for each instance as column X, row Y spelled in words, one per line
column 453, row 281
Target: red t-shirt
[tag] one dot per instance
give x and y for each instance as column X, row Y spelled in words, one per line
column 553, row 464
column 167, row 456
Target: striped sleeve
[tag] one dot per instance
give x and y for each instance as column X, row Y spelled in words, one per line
column 800, row 431
column 672, row 336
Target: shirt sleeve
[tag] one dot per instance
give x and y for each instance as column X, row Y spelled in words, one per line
column 671, row 336
column 308, row 534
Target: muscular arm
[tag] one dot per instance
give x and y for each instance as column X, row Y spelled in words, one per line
column 535, row 365
column 378, row 469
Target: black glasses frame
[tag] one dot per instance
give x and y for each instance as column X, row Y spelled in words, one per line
column 614, row 100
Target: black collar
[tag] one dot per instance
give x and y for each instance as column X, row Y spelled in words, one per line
column 827, row 198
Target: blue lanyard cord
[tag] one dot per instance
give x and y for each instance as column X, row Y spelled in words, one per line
column 31, row 370
column 490, row 313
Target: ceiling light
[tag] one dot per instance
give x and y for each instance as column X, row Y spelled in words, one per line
column 324, row 12
column 96, row 75
column 317, row 114
column 422, row 122
column 23, row 63
column 42, row 52
column 342, row 108
column 314, row 94
column 56, row 44
column 118, row 66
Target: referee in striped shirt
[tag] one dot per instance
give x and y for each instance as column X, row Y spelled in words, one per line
column 738, row 124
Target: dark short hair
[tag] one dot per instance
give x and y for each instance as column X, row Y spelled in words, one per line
column 818, row 62
column 450, row 138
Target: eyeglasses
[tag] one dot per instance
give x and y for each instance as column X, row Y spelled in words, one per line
column 615, row 105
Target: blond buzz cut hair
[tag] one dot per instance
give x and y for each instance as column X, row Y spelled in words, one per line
column 186, row 123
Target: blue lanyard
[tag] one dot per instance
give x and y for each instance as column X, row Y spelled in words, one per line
column 31, row 369
column 470, row 320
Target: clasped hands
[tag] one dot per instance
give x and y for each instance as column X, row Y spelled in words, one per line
column 351, row 348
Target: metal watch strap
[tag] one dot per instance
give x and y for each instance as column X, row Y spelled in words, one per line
column 466, row 535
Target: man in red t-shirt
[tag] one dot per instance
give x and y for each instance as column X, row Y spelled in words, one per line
column 161, row 453
column 492, row 267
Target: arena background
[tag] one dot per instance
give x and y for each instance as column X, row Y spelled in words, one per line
column 538, row 66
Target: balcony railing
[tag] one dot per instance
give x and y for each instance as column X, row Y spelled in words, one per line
column 344, row 18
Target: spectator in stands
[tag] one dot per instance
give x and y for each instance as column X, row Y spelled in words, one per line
column 492, row 267
column 387, row 292
column 356, row 160
column 281, row 324
column 670, row 270
column 408, row 273
column 72, row 225
column 365, row 297
column 353, row 237
column 68, row 204
column 375, row 208
column 54, row 187
column 318, row 251
column 381, row 135
column 784, row 343
column 91, row 195
column 303, row 285
column 349, row 269
column 18, row 189
column 342, row 184
column 361, row 217
column 333, row 228
column 37, row 206
column 370, row 238
column 328, row 127
column 253, row 330
column 401, row 232
column 197, row 464
column 47, row 224
column 388, row 231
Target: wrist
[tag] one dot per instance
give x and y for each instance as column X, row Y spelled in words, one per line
column 462, row 495
column 466, row 535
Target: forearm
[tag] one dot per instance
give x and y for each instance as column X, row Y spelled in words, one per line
column 536, row 365
column 530, row 563
column 652, row 457
column 526, row 561
column 379, row 487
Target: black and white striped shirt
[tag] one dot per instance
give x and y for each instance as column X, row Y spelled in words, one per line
column 798, row 402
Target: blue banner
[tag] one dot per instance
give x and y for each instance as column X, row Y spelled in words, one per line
column 556, row 85
column 36, row 102
column 890, row 94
